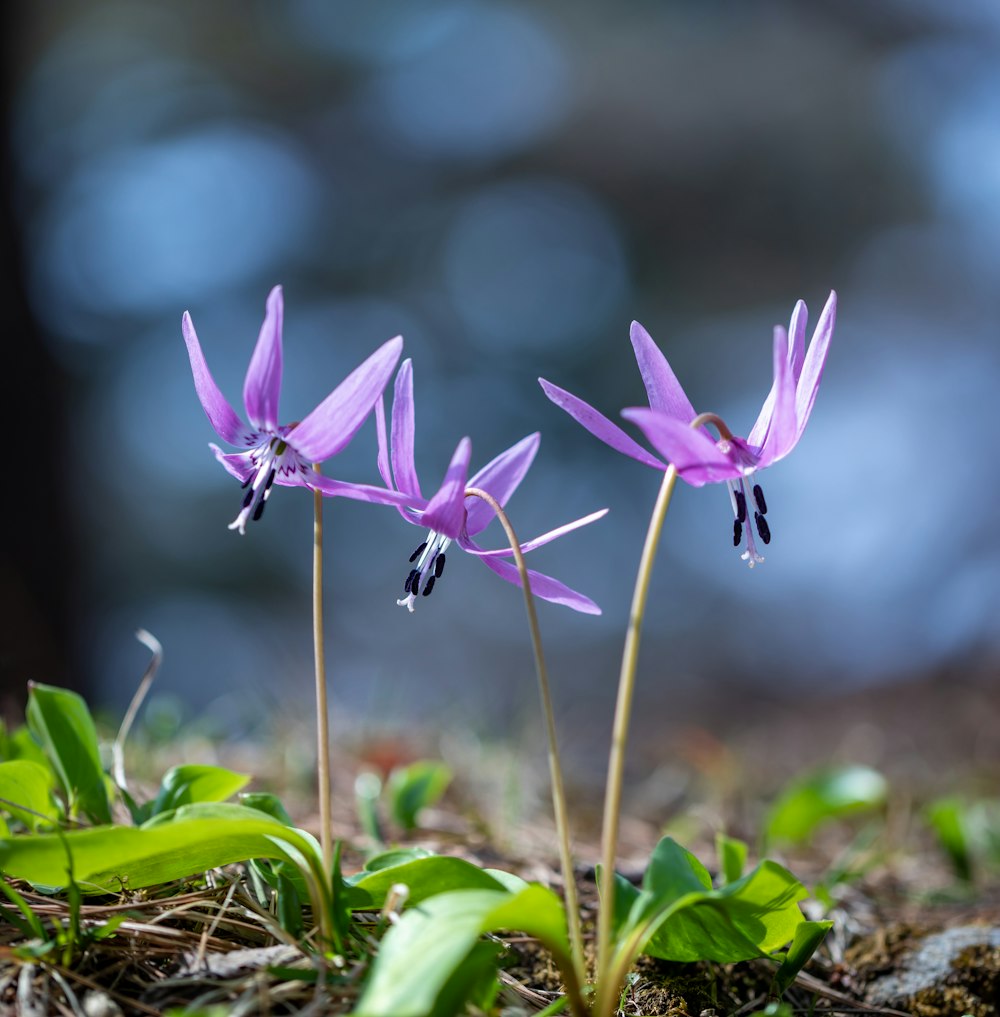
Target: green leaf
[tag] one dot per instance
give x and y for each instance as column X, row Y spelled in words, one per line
column 424, row 877
column 824, row 796
column 424, row 953
column 808, row 936
column 28, row 785
column 732, row 857
column 61, row 722
column 264, row 801
column 184, row 785
column 396, row 856
column 681, row 918
column 414, row 787
column 185, row 843
column 22, row 745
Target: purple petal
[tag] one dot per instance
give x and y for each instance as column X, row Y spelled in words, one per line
column 812, row 367
column 544, row 586
column 237, row 464
column 499, row 477
column 697, row 458
column 782, row 433
column 445, row 512
column 382, row 458
column 545, row 538
column 797, row 338
column 263, row 381
column 664, row 390
column 599, row 425
column 403, row 429
column 221, row 415
column 336, row 420
column 341, row 489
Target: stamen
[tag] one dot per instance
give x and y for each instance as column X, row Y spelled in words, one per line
column 259, row 510
column 429, row 586
column 762, row 528
column 737, row 533
column 409, row 580
column 419, row 551
column 758, row 496
column 270, row 481
column 438, row 566
column 249, row 496
column 415, row 585
column 741, row 507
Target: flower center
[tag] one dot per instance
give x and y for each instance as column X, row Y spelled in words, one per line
column 270, row 459
column 744, row 496
column 429, row 564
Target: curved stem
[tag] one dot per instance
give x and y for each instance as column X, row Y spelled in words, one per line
column 322, row 712
column 555, row 768
column 606, row 991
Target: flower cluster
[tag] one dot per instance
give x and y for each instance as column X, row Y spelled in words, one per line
column 287, row 454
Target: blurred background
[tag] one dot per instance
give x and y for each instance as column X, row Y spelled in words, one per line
column 507, row 185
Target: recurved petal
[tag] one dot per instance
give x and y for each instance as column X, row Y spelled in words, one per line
column 237, row 464
column 445, row 512
column 336, row 420
column 499, row 477
column 382, row 457
column 262, row 386
column 812, row 367
column 359, row 492
column 797, row 338
column 599, row 425
column 697, row 458
column 782, row 433
column 530, row 545
column 403, row 430
column 664, row 390
column 544, row 586
column 221, row 415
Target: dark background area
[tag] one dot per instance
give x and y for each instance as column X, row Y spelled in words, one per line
column 508, row 186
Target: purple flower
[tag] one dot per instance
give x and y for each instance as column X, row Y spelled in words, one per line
column 284, row 454
column 451, row 516
column 698, row 457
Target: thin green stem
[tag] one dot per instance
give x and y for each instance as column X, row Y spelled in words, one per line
column 322, row 712
column 606, row 991
column 555, row 768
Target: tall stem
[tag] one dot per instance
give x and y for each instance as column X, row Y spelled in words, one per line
column 322, row 712
column 606, row 992
column 555, row 769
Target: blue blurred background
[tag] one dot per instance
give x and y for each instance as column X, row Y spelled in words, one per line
column 507, row 185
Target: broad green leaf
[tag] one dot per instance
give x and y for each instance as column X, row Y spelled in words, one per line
column 20, row 744
column 827, row 795
column 28, row 785
column 184, row 785
column 684, row 919
column 185, row 843
column 732, row 857
column 414, row 787
column 427, row 949
column 270, row 804
column 61, row 722
column 808, row 936
column 425, row 877
column 396, row 856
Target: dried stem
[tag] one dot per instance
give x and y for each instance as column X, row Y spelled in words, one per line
column 607, row 992
column 322, row 711
column 555, row 768
column 118, row 748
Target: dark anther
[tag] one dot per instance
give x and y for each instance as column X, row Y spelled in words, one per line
column 741, row 507
column 409, row 580
column 429, row 586
column 415, row 582
column 270, row 481
column 419, row 551
column 438, row 566
column 248, row 497
column 259, row 510
column 758, row 496
column 762, row 528
column 737, row 532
